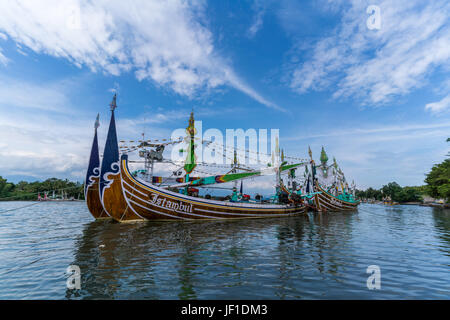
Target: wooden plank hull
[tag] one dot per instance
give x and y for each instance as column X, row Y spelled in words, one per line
column 93, row 202
column 326, row 202
column 129, row 199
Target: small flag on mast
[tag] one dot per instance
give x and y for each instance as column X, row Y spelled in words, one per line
column 97, row 121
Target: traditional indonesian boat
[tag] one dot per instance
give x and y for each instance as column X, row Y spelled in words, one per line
column 124, row 197
column 325, row 201
column 331, row 190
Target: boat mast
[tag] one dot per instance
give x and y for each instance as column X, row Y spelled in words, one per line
column 313, row 170
column 277, row 165
column 234, row 165
column 190, row 162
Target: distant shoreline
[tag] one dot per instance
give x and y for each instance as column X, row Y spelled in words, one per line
column 422, row 204
column 437, row 205
column 434, row 205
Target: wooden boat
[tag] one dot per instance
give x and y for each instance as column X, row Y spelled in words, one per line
column 130, row 199
column 91, row 185
column 325, row 201
column 126, row 198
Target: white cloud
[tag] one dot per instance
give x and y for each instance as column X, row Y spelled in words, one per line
column 375, row 65
column 36, row 145
column 378, row 155
column 240, row 85
column 257, row 24
column 43, row 134
column 260, row 8
column 3, row 60
column 42, row 146
column 165, row 42
column 439, row 106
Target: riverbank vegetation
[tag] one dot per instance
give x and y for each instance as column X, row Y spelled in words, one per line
column 53, row 187
column 438, row 181
column 394, row 192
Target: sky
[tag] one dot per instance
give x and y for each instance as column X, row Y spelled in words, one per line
column 376, row 98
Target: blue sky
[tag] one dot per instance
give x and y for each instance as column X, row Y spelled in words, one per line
column 377, row 100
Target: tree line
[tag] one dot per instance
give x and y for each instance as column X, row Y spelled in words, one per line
column 393, row 191
column 29, row 190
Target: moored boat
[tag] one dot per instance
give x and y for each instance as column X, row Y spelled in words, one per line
column 126, row 198
column 331, row 191
column 325, row 201
column 147, row 201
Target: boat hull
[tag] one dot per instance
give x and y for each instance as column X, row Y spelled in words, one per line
column 323, row 201
column 93, row 201
column 129, row 199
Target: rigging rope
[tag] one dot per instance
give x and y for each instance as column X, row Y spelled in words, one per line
column 134, row 148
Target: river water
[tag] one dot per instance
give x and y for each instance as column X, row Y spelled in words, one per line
column 307, row 257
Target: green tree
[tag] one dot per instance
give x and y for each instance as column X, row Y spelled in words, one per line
column 361, row 194
column 29, row 190
column 393, row 190
column 5, row 188
column 438, row 180
column 407, row 194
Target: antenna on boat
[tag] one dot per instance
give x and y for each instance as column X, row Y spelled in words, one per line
column 143, row 131
column 113, row 104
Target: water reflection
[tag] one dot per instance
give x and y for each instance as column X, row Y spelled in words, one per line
column 442, row 225
column 134, row 260
column 313, row 256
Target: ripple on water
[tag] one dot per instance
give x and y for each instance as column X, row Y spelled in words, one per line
column 307, row 257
